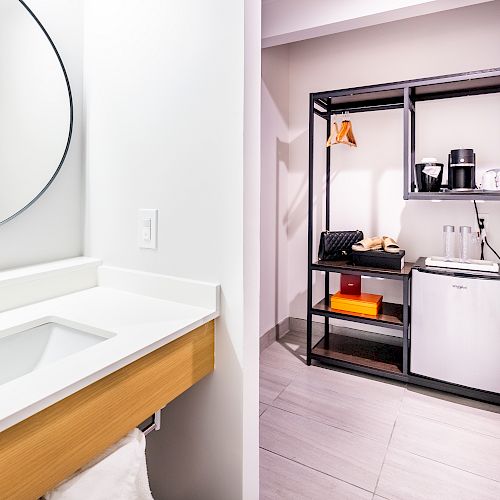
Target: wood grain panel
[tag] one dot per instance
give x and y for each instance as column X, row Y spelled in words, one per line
column 40, row 452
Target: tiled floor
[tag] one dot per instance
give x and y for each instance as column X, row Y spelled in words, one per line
column 330, row 434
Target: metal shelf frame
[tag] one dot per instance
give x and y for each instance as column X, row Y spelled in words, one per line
column 397, row 95
column 404, row 95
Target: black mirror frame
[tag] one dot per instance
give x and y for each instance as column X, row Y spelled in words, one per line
column 70, row 132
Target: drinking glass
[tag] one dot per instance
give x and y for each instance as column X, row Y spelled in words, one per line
column 449, row 241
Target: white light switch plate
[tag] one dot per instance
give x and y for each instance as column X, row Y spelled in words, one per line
column 147, row 228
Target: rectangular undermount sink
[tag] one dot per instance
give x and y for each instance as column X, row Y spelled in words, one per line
column 28, row 350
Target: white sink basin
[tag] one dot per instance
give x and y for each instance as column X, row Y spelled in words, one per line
column 33, row 348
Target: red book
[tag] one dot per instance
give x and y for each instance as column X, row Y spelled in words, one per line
column 350, row 284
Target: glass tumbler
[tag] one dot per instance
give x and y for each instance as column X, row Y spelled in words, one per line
column 465, row 242
column 449, row 242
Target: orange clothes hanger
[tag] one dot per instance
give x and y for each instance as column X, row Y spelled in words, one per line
column 344, row 135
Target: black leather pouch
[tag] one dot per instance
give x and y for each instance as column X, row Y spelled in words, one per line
column 336, row 245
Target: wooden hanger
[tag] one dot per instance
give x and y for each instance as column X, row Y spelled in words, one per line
column 351, row 140
column 344, row 135
column 334, row 133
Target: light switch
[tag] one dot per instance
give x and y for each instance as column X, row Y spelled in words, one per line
column 148, row 228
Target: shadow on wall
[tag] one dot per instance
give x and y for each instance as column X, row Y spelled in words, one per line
column 280, row 277
column 297, row 205
column 422, row 226
column 366, row 194
column 296, row 217
column 361, row 173
column 419, row 226
column 363, row 183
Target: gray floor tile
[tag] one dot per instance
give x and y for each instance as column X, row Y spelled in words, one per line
column 282, row 479
column 298, row 339
column 336, row 452
column 283, row 357
column 357, row 386
column 452, row 410
column 409, row 477
column 292, row 334
column 339, row 422
column 262, row 408
column 272, row 382
column 319, row 401
column 449, row 445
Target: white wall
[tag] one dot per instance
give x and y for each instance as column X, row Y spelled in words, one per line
column 35, row 109
column 251, row 245
column 367, row 181
column 286, row 21
column 274, row 167
column 165, row 109
column 51, row 229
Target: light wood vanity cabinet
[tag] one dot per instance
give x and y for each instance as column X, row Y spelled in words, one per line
column 41, row 451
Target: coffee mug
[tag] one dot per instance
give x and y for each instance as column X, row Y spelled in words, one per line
column 491, row 180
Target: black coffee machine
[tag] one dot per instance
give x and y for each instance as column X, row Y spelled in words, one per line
column 462, row 169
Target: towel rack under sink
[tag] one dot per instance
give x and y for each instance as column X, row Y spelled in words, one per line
column 155, row 425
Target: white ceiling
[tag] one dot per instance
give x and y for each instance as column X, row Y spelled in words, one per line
column 285, row 21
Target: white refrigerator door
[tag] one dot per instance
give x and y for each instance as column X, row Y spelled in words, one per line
column 455, row 330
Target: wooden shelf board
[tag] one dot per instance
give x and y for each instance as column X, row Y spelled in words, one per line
column 361, row 352
column 391, row 315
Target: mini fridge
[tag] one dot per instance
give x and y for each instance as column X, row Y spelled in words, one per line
column 455, row 327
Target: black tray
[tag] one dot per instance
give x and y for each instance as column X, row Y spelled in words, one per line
column 379, row 258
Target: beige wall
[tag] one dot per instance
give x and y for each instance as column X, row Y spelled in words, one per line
column 367, row 181
column 286, row 21
column 274, row 171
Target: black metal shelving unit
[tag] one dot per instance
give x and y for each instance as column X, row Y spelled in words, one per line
column 374, row 357
column 379, row 358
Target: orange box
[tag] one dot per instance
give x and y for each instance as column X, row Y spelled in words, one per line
column 365, row 303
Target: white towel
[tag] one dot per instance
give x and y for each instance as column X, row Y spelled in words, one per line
column 119, row 473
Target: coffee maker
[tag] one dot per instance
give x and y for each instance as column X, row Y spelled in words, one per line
column 462, row 169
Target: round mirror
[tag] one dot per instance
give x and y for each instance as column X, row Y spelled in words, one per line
column 36, row 109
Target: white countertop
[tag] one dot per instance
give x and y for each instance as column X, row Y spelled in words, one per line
column 138, row 324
